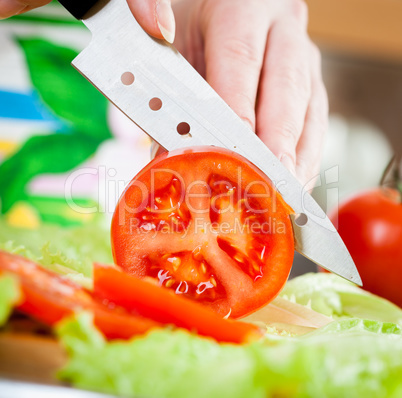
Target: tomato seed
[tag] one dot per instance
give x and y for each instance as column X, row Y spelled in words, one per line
column 197, row 255
column 176, row 263
column 238, row 257
column 169, row 283
column 256, row 267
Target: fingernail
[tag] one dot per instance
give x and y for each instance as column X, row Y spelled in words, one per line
column 9, row 8
column 287, row 161
column 165, row 20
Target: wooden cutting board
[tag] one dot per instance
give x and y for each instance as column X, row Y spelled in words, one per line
column 30, row 357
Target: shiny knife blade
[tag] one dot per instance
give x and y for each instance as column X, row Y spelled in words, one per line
column 130, row 68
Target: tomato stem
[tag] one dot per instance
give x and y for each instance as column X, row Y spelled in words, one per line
column 391, row 178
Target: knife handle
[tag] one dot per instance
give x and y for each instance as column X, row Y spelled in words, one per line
column 78, row 8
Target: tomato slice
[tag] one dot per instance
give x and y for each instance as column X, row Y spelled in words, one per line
column 164, row 306
column 48, row 297
column 208, row 224
column 123, row 306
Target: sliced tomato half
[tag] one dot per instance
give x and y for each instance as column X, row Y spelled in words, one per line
column 208, row 224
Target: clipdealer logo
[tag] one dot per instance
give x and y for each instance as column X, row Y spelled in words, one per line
column 109, row 188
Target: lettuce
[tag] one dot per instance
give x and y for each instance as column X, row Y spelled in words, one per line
column 9, row 296
column 164, row 363
column 69, row 251
column 359, row 354
column 347, row 358
column 333, row 296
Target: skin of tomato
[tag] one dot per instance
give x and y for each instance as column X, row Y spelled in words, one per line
column 46, row 296
column 164, row 306
column 127, row 243
column 370, row 224
column 49, row 298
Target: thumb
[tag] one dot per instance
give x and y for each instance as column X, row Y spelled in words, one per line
column 155, row 16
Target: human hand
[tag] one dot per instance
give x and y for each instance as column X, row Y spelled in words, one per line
column 258, row 57
column 9, row 8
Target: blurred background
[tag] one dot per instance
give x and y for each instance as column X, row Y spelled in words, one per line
column 361, row 43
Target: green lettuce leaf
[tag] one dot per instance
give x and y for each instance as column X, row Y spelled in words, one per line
column 69, row 251
column 340, row 360
column 163, row 363
column 9, row 296
column 347, row 358
column 357, row 355
column 333, row 296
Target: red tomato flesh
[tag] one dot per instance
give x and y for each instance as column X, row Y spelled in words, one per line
column 208, row 224
column 165, row 307
column 123, row 306
column 48, row 298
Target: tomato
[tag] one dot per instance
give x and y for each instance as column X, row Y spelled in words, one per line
column 208, row 224
column 370, row 224
column 122, row 305
column 48, row 298
column 164, row 306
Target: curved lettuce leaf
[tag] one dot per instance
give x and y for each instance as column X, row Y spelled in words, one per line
column 69, row 251
column 347, row 358
column 333, row 296
column 163, row 363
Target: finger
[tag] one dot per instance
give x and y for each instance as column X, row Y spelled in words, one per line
column 297, row 8
column 9, row 8
column 235, row 35
column 309, row 148
column 155, row 16
column 285, row 90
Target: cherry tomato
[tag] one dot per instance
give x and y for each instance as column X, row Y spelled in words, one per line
column 370, row 224
column 208, row 224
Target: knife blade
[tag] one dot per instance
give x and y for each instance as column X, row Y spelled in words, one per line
column 132, row 69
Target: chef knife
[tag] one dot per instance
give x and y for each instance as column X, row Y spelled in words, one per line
column 149, row 81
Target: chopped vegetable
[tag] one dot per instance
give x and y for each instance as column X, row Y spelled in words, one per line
column 122, row 305
column 333, row 296
column 164, row 306
column 48, row 297
column 10, row 295
column 208, row 224
column 63, row 250
column 284, row 315
column 347, row 358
